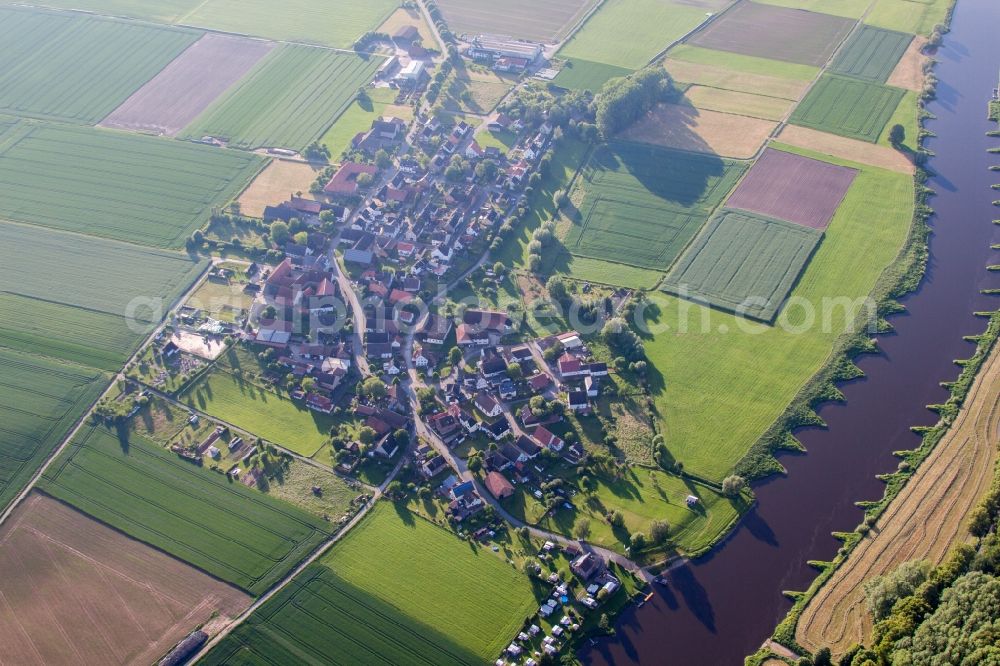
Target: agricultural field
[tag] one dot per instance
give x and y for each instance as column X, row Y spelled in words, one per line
column 767, row 31
column 740, row 103
column 642, row 496
column 40, row 399
column 202, row 517
column 276, row 183
column 524, row 19
column 844, row 148
column 744, row 263
column 916, row 16
column 723, row 78
column 640, row 205
column 185, row 87
column 129, row 187
column 794, row 188
column 726, row 387
column 848, row 107
column 396, row 589
column 331, row 22
column 871, row 54
column 909, row 73
column 475, row 90
column 138, row 601
column 746, row 64
column 68, row 268
column 159, row 11
column 924, row 522
column 288, row 100
column 405, row 16
column 78, row 68
column 263, row 412
column 626, row 35
column 847, row 8
column 685, row 127
column 359, row 116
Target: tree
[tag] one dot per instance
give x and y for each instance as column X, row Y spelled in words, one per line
column 487, row 170
column 401, row 437
column 475, row 462
column 279, row 232
column 364, row 180
column 374, row 387
column 367, row 435
column 616, row 519
column 637, row 542
column 514, row 371
column 454, row 356
column 383, row 160
column 822, row 657
column 626, row 99
column 582, row 529
column 269, row 312
column 882, row 592
column 605, row 623
column 301, row 238
column 308, row 384
column 733, row 485
column 659, row 531
column 897, row 135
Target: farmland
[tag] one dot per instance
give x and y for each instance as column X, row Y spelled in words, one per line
column 846, row 8
column 524, row 19
column 138, row 601
column 848, row 149
column 359, row 116
column 642, row 204
column 794, row 188
column 916, row 16
column 626, row 34
column 199, row 516
column 260, row 411
column 778, row 33
column 185, row 87
column 396, row 589
column 726, row 388
column 475, row 91
column 747, row 64
column 78, row 68
column 909, row 73
column 128, row 187
column 714, row 76
column 161, row 11
column 741, row 103
column 848, row 107
column 279, row 180
column 288, row 101
column 684, row 127
column 744, row 263
column 871, row 54
column 68, row 268
column 924, row 521
column 331, row 22
column 40, row 399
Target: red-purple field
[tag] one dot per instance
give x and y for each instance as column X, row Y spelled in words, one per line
column 185, row 87
column 793, row 188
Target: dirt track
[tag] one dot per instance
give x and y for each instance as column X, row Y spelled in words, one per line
column 73, row 591
column 924, row 521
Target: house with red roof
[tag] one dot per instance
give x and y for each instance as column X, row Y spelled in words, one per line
column 345, row 181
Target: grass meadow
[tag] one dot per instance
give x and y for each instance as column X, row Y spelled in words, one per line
column 525, row 19
column 717, row 388
column 78, row 68
column 397, row 589
column 358, row 118
column 871, row 53
column 849, row 107
column 916, row 16
column 846, row 8
column 641, row 205
column 159, row 11
column 40, row 398
column 266, row 414
column 288, row 100
column 744, row 63
column 130, row 187
column 204, row 518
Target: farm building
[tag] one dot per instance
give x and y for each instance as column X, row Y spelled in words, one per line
column 345, row 181
column 498, row 485
column 495, row 47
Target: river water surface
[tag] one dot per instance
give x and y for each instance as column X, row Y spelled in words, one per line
column 723, row 606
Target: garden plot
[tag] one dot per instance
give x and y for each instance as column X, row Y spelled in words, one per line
column 525, row 19
column 185, row 87
column 848, row 107
column 793, row 188
column 75, row 591
column 766, row 31
column 233, row 532
column 396, row 590
column 744, row 263
column 687, row 128
column 129, row 187
column 642, row 204
column 871, row 53
column 78, row 68
column 289, row 99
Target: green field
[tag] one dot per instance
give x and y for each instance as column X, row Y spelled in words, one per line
column 331, row 22
column 78, row 68
column 288, row 100
column 642, row 496
column 846, row 8
column 579, row 74
column 718, row 390
column 396, row 590
column 871, row 53
column 161, row 11
column 906, row 114
column 744, row 262
column 916, row 16
column 264, row 413
column 39, row 400
column 848, row 107
column 129, row 187
column 628, row 33
column 641, row 204
column 233, row 532
column 744, row 63
column 359, row 116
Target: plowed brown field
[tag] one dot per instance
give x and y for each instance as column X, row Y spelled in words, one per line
column 923, row 522
column 848, row 149
column 909, row 71
column 73, row 591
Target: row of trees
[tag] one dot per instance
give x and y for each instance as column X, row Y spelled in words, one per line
column 625, row 100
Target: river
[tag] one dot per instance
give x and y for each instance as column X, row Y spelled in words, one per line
column 723, row 606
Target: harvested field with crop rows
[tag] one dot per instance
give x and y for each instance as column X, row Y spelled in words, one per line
column 524, row 19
